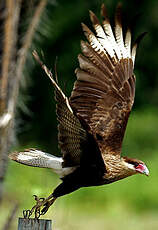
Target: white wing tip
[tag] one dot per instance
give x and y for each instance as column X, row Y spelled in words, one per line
column 133, row 54
column 105, row 40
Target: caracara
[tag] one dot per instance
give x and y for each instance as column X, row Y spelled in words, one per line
column 93, row 120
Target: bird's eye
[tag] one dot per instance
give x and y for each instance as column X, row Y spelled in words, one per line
column 135, row 164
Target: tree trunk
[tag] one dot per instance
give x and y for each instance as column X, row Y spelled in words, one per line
column 10, row 9
column 12, row 63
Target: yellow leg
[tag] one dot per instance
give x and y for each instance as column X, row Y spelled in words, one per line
column 41, row 207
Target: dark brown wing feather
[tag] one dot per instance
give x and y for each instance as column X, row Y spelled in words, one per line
column 71, row 134
column 74, row 141
column 103, row 94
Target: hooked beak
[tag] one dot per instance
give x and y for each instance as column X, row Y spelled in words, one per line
column 141, row 168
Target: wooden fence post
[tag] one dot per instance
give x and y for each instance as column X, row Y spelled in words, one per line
column 34, row 224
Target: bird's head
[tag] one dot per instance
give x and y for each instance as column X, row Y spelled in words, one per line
column 136, row 166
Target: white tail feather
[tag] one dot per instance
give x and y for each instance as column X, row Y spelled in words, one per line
column 37, row 158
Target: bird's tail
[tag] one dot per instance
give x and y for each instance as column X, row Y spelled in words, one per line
column 37, row 158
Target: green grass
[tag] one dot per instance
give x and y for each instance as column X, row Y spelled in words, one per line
column 128, row 204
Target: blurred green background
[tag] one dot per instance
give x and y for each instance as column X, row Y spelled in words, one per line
column 128, row 204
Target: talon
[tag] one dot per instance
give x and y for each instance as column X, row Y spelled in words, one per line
column 36, row 198
column 44, row 210
column 47, row 205
column 37, row 214
column 40, row 208
column 27, row 213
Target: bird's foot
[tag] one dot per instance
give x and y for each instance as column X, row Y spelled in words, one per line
column 41, row 207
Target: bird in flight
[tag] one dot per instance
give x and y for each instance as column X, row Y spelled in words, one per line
column 92, row 122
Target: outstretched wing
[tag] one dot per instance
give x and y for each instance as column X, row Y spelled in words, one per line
column 74, row 141
column 72, row 136
column 103, row 93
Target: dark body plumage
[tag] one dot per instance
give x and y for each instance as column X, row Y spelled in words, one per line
column 93, row 120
